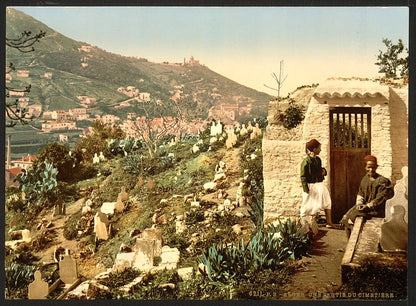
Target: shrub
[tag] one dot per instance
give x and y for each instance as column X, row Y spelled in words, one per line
column 269, row 248
column 293, row 115
column 17, row 278
column 194, row 217
column 58, row 155
column 70, row 227
column 380, row 272
column 96, row 142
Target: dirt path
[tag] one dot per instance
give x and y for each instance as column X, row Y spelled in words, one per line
column 321, row 273
column 58, row 227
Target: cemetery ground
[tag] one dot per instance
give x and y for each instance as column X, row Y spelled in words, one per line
column 198, row 204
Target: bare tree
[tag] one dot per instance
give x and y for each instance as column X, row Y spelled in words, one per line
column 278, row 80
column 24, row 43
column 155, row 124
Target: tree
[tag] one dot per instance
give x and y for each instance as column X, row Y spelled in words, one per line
column 58, row 155
column 392, row 60
column 279, row 80
column 156, row 124
column 96, row 142
column 24, row 43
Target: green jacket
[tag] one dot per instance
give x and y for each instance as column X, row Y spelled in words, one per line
column 311, row 171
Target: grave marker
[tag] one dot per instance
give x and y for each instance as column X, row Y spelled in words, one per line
column 68, row 270
column 38, row 289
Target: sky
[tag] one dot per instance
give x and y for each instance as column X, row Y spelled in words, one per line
column 245, row 44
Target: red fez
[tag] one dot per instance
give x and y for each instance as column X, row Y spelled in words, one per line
column 312, row 144
column 370, row 158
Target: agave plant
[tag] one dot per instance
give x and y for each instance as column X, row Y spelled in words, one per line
column 18, row 276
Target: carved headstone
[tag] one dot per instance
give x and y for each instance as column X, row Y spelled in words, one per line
column 119, row 206
column 95, row 159
column 100, row 225
column 68, row 270
column 400, row 196
column 124, row 196
column 38, row 289
column 394, row 232
column 231, row 139
column 102, row 157
column 150, row 185
column 108, row 208
column 170, row 257
column 156, row 234
column 140, row 182
column 145, row 252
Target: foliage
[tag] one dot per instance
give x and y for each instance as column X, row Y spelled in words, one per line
column 256, row 205
column 23, row 43
column 123, row 146
column 194, row 217
column 60, row 157
column 264, row 285
column 70, row 230
column 291, row 237
column 269, row 248
column 251, row 159
column 38, row 183
column 17, row 278
column 97, row 141
column 392, row 59
column 118, row 279
column 293, row 115
column 153, row 289
column 378, row 273
column 139, row 164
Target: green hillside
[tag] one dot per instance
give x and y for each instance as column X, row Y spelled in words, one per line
column 105, row 72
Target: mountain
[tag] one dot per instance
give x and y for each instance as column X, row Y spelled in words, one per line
column 75, row 68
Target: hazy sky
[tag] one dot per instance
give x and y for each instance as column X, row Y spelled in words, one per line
column 245, row 44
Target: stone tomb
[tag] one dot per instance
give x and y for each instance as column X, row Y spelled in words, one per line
column 68, row 270
column 38, row 289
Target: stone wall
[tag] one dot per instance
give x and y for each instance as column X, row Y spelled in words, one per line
column 399, row 131
column 282, row 186
column 283, row 152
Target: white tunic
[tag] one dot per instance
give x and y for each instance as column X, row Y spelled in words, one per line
column 316, row 200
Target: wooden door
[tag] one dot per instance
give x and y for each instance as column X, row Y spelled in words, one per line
column 350, row 140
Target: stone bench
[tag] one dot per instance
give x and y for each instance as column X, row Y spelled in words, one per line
column 364, row 241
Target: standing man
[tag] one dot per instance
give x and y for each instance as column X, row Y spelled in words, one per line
column 372, row 195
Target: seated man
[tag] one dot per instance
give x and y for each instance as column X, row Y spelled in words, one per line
column 372, row 195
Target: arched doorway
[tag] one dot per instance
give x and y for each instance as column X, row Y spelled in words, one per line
column 350, row 142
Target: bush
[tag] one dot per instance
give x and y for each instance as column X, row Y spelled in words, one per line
column 269, row 248
column 17, row 279
column 58, row 155
column 70, row 227
column 293, row 115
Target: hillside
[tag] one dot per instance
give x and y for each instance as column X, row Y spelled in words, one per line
column 94, row 72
